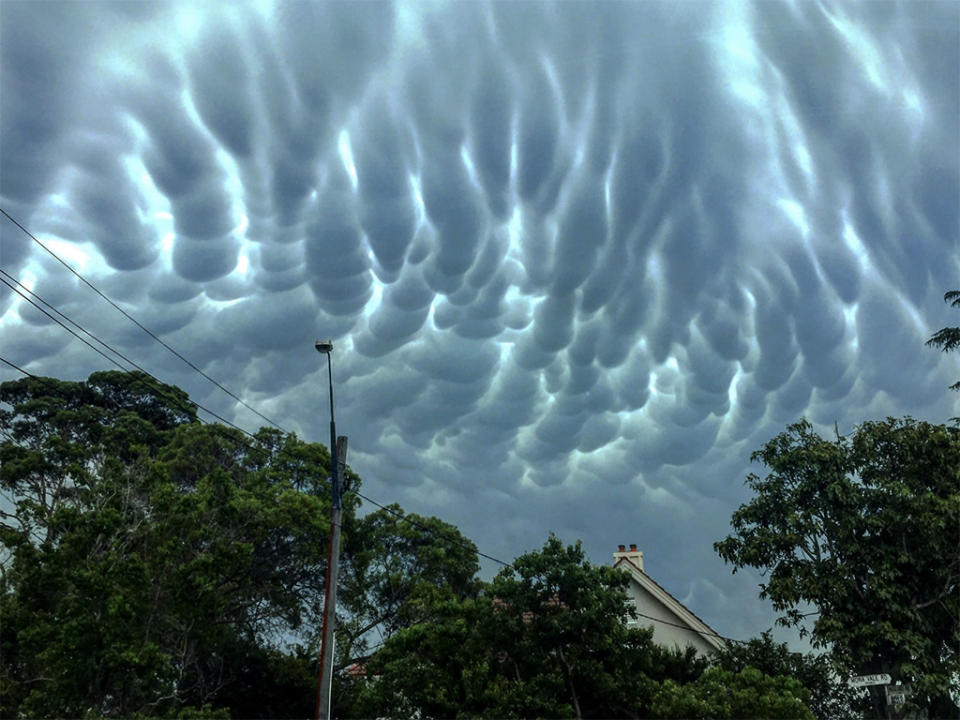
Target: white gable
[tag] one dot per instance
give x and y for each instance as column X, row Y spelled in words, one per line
column 673, row 624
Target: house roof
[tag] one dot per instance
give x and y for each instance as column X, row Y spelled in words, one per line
column 684, row 614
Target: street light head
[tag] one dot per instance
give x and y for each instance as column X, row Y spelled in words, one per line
column 324, row 346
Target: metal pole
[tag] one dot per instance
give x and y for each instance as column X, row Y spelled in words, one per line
column 325, row 682
column 325, row 673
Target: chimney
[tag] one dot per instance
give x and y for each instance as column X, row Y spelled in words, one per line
column 634, row 556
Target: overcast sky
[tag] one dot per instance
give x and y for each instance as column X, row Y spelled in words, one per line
column 578, row 260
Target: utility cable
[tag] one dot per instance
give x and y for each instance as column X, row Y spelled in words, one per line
column 93, row 347
column 16, row 367
column 404, row 517
column 452, row 541
column 687, row 627
column 134, row 320
column 397, row 513
column 69, row 330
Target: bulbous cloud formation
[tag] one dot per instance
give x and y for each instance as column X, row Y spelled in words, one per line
column 569, row 253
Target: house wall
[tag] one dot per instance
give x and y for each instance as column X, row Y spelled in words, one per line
column 663, row 634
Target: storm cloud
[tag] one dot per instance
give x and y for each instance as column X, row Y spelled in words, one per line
column 577, row 260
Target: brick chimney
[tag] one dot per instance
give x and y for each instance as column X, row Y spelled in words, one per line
column 633, row 555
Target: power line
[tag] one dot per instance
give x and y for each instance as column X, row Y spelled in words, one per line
column 134, row 320
column 393, row 511
column 687, row 627
column 69, row 330
column 397, row 513
column 157, row 387
column 17, row 367
column 404, row 517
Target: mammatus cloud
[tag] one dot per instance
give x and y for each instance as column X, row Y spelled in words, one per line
column 577, row 260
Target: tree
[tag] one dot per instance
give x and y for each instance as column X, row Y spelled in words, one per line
column 152, row 564
column 866, row 529
column 830, row 698
column 399, row 570
column 720, row 693
column 561, row 625
column 546, row 638
column 948, row 338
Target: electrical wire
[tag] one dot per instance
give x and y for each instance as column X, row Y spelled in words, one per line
column 450, row 541
column 397, row 513
column 400, row 515
column 458, row 543
column 158, row 387
column 16, row 367
column 687, row 627
column 134, row 320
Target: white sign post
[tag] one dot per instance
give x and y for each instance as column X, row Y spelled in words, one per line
column 865, row 680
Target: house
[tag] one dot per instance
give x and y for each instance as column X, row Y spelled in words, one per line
column 672, row 623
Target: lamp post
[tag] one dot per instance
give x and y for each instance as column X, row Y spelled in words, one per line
column 338, row 458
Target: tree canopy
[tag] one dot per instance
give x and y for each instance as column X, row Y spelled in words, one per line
column 148, row 557
column 548, row 638
column 830, row 698
column 156, row 566
column 865, row 529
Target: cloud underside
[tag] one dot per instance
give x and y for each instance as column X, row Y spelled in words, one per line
column 555, row 245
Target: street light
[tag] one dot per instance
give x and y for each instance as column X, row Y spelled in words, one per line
column 326, row 347
column 338, row 458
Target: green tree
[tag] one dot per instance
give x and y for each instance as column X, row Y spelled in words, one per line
column 439, row 669
column 546, row 638
column 866, row 529
column 948, row 338
column 720, row 693
column 152, row 564
column 396, row 568
column 830, row 697
column 561, row 624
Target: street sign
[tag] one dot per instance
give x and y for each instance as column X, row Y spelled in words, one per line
column 897, row 694
column 896, row 698
column 865, row 680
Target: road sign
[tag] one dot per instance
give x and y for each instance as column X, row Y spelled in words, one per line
column 896, row 698
column 865, row 680
column 897, row 694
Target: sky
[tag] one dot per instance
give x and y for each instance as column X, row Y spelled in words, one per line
column 577, row 260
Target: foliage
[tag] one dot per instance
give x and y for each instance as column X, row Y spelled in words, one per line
column 155, row 566
column 435, row 669
column 830, row 698
column 561, row 625
column 548, row 638
column 720, row 693
column 399, row 570
column 948, row 338
column 151, row 564
column 397, row 566
column 864, row 528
